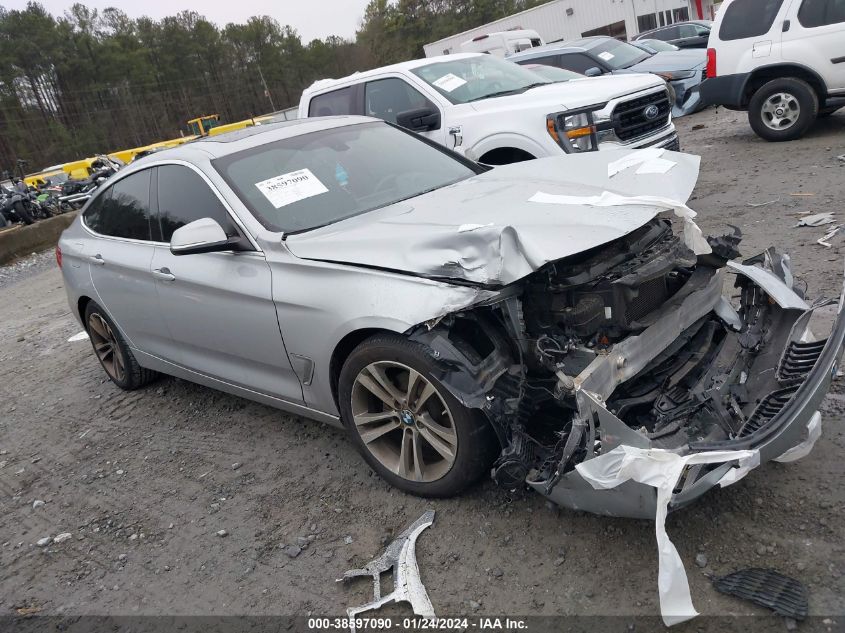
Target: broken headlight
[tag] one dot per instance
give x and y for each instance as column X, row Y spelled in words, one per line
column 575, row 132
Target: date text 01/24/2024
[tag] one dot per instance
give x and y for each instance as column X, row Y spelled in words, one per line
column 417, row 623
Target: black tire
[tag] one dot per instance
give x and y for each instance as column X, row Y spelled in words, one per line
column 803, row 94
column 22, row 213
column 476, row 442
column 134, row 376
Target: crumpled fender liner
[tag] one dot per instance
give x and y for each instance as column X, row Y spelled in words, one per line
column 468, row 380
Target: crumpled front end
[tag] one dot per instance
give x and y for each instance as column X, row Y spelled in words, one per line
column 746, row 379
column 634, row 345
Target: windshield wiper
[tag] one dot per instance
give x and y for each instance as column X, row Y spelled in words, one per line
column 515, row 91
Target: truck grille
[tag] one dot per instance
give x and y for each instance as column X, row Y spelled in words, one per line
column 630, row 120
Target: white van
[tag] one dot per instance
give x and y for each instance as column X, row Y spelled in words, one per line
column 781, row 60
column 503, row 42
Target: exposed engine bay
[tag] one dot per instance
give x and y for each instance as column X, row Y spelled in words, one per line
column 628, row 343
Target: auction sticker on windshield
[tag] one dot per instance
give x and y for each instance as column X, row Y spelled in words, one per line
column 449, row 82
column 291, row 187
column 606, row 56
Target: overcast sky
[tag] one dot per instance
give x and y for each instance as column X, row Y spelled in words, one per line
column 311, row 18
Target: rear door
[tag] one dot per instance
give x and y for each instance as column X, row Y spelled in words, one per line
column 816, row 39
column 120, row 252
column 748, row 36
column 218, row 306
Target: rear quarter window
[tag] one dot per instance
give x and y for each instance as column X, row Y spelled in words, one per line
column 748, row 18
column 332, row 103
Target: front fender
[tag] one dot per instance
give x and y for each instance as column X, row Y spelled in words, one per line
column 509, row 139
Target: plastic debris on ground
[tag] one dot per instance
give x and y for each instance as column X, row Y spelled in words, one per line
column 82, row 336
column 662, row 469
column 763, row 204
column 825, row 240
column 768, row 588
column 818, row 219
column 400, row 557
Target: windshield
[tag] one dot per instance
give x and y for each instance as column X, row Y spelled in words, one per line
column 552, row 73
column 658, row 45
column 618, row 54
column 473, row 78
column 301, row 183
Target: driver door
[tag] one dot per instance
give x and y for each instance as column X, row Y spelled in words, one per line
column 218, row 306
column 387, row 98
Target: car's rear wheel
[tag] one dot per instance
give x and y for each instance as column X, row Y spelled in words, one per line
column 406, row 424
column 783, row 109
column 111, row 349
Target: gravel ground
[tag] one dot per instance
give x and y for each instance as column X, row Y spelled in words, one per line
column 145, row 481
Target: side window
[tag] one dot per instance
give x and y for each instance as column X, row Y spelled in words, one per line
column 748, row 18
column 577, row 62
column 183, row 196
column 815, row 13
column 551, row 60
column 665, row 34
column 385, row 98
column 685, row 30
column 332, row 103
column 123, row 210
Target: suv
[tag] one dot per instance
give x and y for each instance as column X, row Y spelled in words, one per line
column 781, row 60
column 495, row 112
column 683, row 34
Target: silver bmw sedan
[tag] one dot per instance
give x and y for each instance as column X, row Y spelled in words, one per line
column 542, row 321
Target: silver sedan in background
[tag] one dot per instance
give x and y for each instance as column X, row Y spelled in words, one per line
column 453, row 318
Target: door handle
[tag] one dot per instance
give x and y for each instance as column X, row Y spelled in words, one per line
column 164, row 274
column 97, row 259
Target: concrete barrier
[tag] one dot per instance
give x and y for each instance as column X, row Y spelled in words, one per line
column 17, row 242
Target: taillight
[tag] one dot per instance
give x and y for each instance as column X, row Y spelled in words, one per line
column 711, row 63
column 59, row 255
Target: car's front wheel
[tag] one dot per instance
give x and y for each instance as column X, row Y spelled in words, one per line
column 783, row 109
column 406, row 424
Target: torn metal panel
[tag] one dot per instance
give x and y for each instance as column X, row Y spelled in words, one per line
column 400, row 557
column 785, row 296
column 498, row 236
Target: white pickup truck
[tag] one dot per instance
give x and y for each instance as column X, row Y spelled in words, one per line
column 495, row 112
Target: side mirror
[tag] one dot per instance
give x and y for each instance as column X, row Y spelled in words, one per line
column 595, row 71
column 419, row 120
column 200, row 236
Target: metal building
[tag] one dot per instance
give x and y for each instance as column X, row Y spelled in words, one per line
column 571, row 19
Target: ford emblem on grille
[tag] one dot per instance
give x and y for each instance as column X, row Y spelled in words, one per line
column 651, row 112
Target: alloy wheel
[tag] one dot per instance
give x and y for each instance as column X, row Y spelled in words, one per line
column 106, row 347
column 781, row 111
column 404, row 421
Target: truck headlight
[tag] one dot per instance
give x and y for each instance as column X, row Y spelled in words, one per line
column 574, row 132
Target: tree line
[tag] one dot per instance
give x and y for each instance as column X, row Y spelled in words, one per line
column 93, row 81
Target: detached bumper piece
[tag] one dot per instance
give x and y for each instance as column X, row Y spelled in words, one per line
column 768, row 588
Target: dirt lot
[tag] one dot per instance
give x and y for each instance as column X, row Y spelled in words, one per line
column 144, row 481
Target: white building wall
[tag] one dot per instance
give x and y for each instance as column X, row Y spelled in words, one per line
column 552, row 22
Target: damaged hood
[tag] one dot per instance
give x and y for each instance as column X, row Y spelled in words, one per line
column 486, row 230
